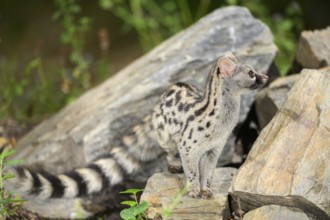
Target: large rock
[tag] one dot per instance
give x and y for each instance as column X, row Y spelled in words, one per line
column 163, row 191
column 314, row 48
column 275, row 212
column 96, row 122
column 289, row 163
column 270, row 99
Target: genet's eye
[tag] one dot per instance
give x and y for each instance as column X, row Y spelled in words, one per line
column 251, row 74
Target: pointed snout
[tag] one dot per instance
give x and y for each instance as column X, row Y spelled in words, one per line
column 264, row 78
column 261, row 80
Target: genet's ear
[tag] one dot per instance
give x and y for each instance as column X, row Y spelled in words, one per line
column 231, row 56
column 227, row 66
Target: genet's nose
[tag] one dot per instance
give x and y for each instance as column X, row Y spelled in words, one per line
column 264, row 78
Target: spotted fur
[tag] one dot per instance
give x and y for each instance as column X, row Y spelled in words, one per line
column 203, row 120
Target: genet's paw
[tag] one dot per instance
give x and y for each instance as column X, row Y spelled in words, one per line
column 175, row 169
column 194, row 192
column 206, row 193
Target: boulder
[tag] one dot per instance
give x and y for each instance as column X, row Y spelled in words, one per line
column 276, row 212
column 165, row 191
column 289, row 163
column 314, row 49
column 270, row 99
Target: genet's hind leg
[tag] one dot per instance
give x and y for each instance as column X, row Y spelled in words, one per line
column 174, row 163
column 173, row 157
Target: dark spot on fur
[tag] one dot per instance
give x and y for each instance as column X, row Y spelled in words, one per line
column 177, row 97
column 208, row 124
column 200, row 128
column 189, row 119
column 187, row 107
column 190, row 134
column 161, row 126
column 169, row 103
column 211, row 113
column 170, row 92
column 180, row 107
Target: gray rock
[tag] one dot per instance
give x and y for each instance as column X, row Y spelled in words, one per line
column 164, row 191
column 314, row 49
column 275, row 212
column 58, row 208
column 270, row 99
column 289, row 163
column 96, row 122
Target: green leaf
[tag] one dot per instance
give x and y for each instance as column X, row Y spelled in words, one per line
column 56, row 15
column 6, row 154
column 13, row 162
column 142, row 207
column 127, row 214
column 75, row 8
column 106, row 4
column 5, row 201
column 8, row 176
column 131, row 191
column 129, row 203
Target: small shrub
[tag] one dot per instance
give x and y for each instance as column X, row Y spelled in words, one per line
column 136, row 210
column 8, row 205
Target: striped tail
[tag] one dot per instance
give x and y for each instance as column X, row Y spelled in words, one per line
column 94, row 178
column 103, row 173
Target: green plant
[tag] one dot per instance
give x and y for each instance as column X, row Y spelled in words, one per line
column 5, row 197
column 26, row 94
column 167, row 211
column 154, row 21
column 73, row 35
column 30, row 92
column 136, row 210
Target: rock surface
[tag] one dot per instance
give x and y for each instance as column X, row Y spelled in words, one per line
column 163, row 190
column 289, row 163
column 314, row 48
column 275, row 212
column 58, row 208
column 96, row 122
column 270, row 99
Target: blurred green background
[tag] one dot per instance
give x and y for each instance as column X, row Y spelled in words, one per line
column 52, row 51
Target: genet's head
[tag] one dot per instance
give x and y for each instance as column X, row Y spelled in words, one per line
column 239, row 77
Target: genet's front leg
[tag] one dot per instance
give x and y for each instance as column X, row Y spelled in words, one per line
column 207, row 166
column 190, row 162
